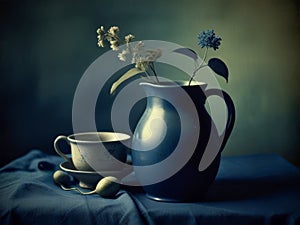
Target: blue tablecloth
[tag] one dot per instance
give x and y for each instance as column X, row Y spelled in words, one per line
column 258, row 189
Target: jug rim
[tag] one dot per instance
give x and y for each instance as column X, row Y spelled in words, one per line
column 177, row 83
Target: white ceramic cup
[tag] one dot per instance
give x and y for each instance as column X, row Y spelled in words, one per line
column 99, row 149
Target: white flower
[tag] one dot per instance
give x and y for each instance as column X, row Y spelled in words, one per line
column 138, row 46
column 134, row 58
column 100, row 30
column 153, row 55
column 114, row 30
column 129, row 38
column 114, row 42
column 137, row 52
column 114, row 47
column 122, row 55
column 101, row 43
column 141, row 64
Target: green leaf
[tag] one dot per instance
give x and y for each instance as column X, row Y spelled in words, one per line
column 188, row 52
column 219, row 67
column 130, row 73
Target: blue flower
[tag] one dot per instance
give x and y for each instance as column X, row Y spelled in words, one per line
column 209, row 39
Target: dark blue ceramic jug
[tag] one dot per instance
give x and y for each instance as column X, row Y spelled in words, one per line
column 176, row 147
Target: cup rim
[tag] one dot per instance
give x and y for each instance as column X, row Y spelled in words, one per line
column 110, row 137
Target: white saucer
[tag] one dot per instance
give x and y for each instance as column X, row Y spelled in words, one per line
column 89, row 179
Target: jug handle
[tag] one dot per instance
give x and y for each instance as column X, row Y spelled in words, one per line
column 230, row 112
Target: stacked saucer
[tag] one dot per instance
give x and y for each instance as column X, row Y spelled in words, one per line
column 89, row 179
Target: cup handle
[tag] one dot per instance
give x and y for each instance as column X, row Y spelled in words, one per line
column 57, row 149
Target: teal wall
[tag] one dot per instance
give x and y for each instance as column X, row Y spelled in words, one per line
column 47, row 45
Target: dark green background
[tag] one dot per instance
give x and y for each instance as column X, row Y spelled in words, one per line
column 47, row 45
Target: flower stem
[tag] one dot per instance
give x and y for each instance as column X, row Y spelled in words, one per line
column 148, row 75
column 201, row 66
column 147, row 78
column 151, row 65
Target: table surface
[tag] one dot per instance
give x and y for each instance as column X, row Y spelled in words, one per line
column 257, row 189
